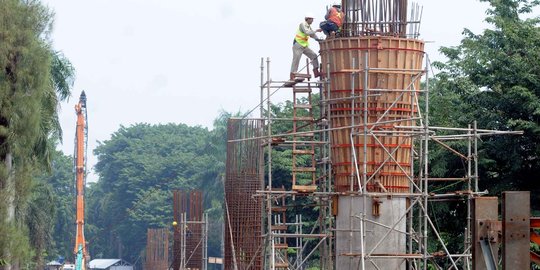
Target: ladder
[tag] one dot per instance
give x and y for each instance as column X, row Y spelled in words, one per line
column 303, row 147
column 303, row 171
column 279, row 226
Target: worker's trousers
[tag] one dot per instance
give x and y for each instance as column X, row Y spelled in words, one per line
column 298, row 50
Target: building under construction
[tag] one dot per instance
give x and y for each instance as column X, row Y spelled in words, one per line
column 190, row 231
column 190, row 236
column 357, row 192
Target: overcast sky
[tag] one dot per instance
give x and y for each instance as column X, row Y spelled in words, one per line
column 162, row 61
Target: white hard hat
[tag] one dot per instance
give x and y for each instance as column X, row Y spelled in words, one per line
column 337, row 3
column 309, row 15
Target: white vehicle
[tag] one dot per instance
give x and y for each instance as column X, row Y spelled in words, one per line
column 69, row 267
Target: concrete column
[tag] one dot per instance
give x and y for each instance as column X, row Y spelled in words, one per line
column 391, row 210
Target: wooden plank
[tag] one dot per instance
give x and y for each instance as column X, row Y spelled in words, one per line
column 302, row 106
column 304, row 152
column 279, row 227
column 303, row 169
column 302, row 89
column 305, row 188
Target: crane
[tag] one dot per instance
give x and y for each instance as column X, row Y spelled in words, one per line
column 81, row 141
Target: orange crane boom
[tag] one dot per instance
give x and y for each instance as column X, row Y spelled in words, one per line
column 81, row 137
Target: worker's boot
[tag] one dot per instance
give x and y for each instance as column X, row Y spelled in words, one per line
column 291, row 80
column 316, row 73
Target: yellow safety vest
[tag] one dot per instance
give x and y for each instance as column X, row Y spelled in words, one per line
column 336, row 17
column 301, row 38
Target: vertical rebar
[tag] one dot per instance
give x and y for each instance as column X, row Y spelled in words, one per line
column 365, row 161
column 365, row 111
column 301, row 243
column 157, row 247
column 205, row 242
column 183, row 226
column 353, row 161
column 475, row 177
column 323, row 211
column 243, row 178
column 269, row 136
column 262, row 89
column 352, row 134
column 328, row 155
column 381, row 18
column 468, row 237
column 426, row 171
column 421, row 178
column 410, row 214
column 475, row 157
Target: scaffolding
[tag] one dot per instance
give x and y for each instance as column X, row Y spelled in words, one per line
column 420, row 230
column 291, row 244
column 372, row 143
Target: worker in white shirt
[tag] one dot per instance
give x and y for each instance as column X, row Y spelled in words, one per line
column 301, row 46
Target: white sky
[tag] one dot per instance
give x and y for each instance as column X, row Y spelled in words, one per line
column 161, row 61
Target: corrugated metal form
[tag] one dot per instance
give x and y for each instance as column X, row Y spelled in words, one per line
column 243, row 211
column 188, row 214
column 391, row 74
column 157, row 249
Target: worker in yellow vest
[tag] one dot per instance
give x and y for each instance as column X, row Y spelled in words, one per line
column 301, row 46
column 334, row 20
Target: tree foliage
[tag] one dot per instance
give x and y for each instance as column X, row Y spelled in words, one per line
column 60, row 184
column 33, row 80
column 494, row 78
column 138, row 169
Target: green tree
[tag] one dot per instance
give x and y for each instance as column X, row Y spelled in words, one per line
column 60, row 183
column 31, row 76
column 138, row 168
column 40, row 216
column 494, row 78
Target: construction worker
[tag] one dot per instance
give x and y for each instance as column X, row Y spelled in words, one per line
column 301, row 46
column 334, row 20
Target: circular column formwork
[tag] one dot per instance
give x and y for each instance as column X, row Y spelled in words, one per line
column 394, row 66
column 389, row 83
